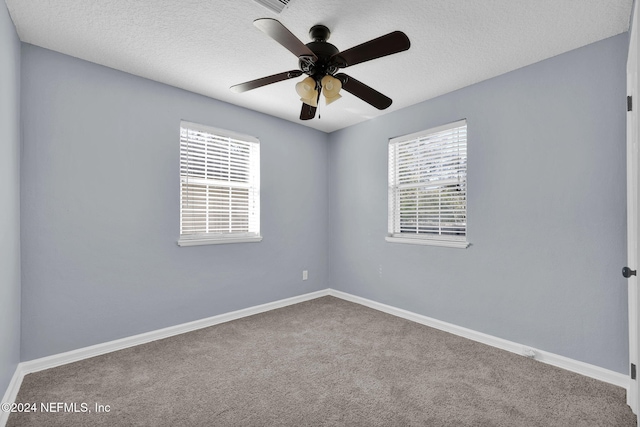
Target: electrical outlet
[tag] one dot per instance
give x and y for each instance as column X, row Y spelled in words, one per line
column 305, row 274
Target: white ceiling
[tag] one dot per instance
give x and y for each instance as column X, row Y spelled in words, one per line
column 206, row 46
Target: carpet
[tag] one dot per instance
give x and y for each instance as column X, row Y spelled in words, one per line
column 325, row 362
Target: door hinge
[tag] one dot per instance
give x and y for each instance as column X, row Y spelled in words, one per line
column 629, row 103
column 633, row 371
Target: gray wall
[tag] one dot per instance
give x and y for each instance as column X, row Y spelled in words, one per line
column 9, row 199
column 100, row 208
column 546, row 209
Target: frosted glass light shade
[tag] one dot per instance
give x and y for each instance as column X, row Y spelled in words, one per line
column 307, row 91
column 331, row 88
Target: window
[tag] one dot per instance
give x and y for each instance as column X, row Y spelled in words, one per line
column 428, row 187
column 219, row 186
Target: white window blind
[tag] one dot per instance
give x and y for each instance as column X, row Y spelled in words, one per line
column 428, row 186
column 219, row 186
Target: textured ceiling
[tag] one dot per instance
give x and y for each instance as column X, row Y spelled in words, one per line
column 208, row 46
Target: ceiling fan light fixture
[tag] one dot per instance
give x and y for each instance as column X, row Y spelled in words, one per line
column 331, row 88
column 329, row 100
column 307, row 91
column 321, row 60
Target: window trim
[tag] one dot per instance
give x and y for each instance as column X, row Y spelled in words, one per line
column 422, row 239
column 399, row 238
column 218, row 240
column 221, row 238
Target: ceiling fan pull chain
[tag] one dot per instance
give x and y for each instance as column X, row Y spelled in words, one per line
column 319, row 92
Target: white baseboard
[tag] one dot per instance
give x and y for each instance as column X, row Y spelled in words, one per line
column 48, row 362
column 572, row 365
column 11, row 393
column 98, row 349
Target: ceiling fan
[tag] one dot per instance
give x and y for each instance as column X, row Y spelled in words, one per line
column 321, row 61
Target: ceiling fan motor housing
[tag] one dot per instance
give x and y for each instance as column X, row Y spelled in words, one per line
column 323, row 50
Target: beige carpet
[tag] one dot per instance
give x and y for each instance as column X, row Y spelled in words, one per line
column 325, row 362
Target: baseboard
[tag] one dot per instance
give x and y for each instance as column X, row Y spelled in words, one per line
column 48, row 362
column 108, row 347
column 11, row 393
column 566, row 363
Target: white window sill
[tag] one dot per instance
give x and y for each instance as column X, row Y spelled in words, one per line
column 429, row 242
column 218, row 241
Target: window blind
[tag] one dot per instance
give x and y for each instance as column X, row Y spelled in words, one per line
column 219, row 183
column 428, row 184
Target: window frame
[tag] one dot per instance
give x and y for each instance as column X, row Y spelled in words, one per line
column 432, row 239
column 197, row 239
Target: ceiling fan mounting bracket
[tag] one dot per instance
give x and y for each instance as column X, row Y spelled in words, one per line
column 306, row 64
column 294, row 74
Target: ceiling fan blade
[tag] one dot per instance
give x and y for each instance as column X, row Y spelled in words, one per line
column 388, row 44
column 308, row 112
column 274, row 29
column 364, row 92
column 253, row 84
